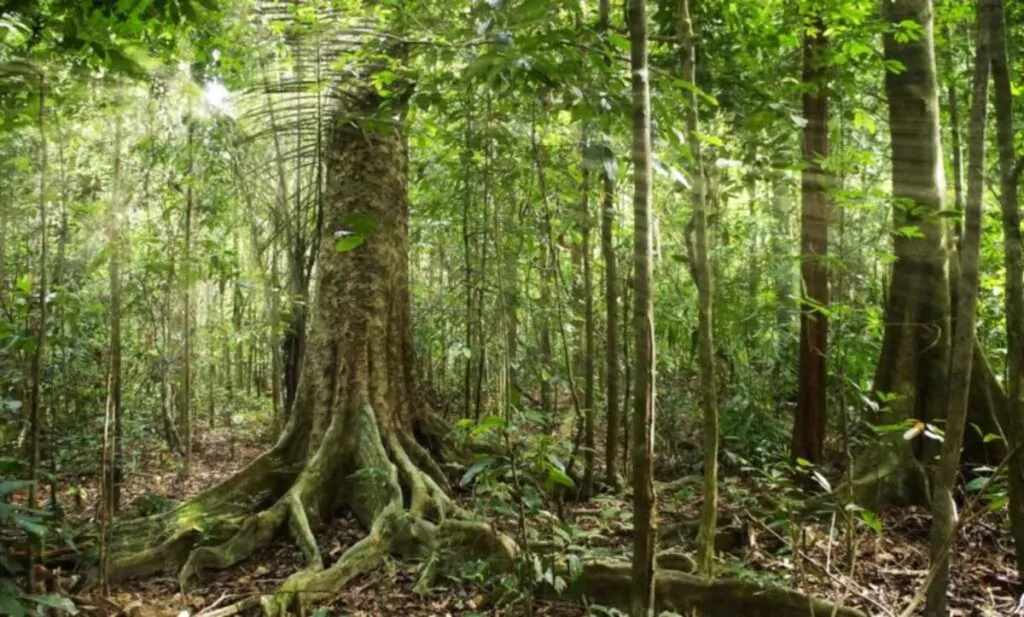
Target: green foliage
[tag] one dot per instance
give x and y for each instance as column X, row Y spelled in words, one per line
column 23, row 525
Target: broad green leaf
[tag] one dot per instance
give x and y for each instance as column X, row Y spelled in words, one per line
column 871, row 520
column 475, row 470
column 348, row 243
column 11, row 606
column 557, row 476
column 57, row 602
column 11, row 486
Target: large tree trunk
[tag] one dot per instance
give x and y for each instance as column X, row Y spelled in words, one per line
column 915, row 350
column 355, row 416
column 357, row 438
column 1009, row 178
column 809, row 423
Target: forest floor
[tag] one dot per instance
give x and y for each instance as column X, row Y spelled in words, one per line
column 888, row 568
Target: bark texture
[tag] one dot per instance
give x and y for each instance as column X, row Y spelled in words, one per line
column 1009, row 178
column 700, row 270
column 809, row 423
column 611, row 301
column 943, row 507
column 644, row 524
column 356, row 438
column 913, row 366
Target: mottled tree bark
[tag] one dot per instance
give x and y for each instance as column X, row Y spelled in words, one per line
column 644, row 523
column 914, row 360
column 700, row 270
column 358, row 436
column 1013, row 260
column 943, row 507
column 611, row 301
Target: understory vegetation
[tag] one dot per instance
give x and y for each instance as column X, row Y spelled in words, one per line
column 511, row 307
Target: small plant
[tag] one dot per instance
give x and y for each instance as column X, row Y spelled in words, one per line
column 23, row 525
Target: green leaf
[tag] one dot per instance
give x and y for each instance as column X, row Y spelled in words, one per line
column 57, row 602
column 557, row 476
column 359, row 222
column 977, row 484
column 910, row 231
column 348, row 243
column 871, row 520
column 998, row 503
column 30, row 525
column 475, row 470
column 490, row 423
column 11, row 486
column 11, row 606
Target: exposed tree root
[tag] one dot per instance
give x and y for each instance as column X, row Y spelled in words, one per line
column 611, row 584
column 149, row 545
column 895, row 473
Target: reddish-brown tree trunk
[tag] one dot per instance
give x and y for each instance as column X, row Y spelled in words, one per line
column 809, row 423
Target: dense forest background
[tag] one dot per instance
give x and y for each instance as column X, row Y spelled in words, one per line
column 522, row 307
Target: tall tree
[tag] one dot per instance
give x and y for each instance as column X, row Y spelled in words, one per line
column 587, row 342
column 943, row 507
column 112, row 484
column 35, row 412
column 1013, row 260
column 185, row 406
column 913, row 363
column 611, row 301
column 700, row 270
column 644, row 523
column 810, row 421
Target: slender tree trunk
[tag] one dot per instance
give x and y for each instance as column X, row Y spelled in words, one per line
column 782, row 202
column 1013, row 260
column 644, row 522
column 294, row 340
column 480, row 346
column 238, row 318
column 954, row 129
column 700, row 270
column 611, row 351
column 185, row 403
column 545, row 267
column 611, row 300
column 943, row 507
column 278, row 373
column 627, row 373
column 36, row 418
column 467, row 257
column 809, row 424
column 113, row 483
column 590, row 442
